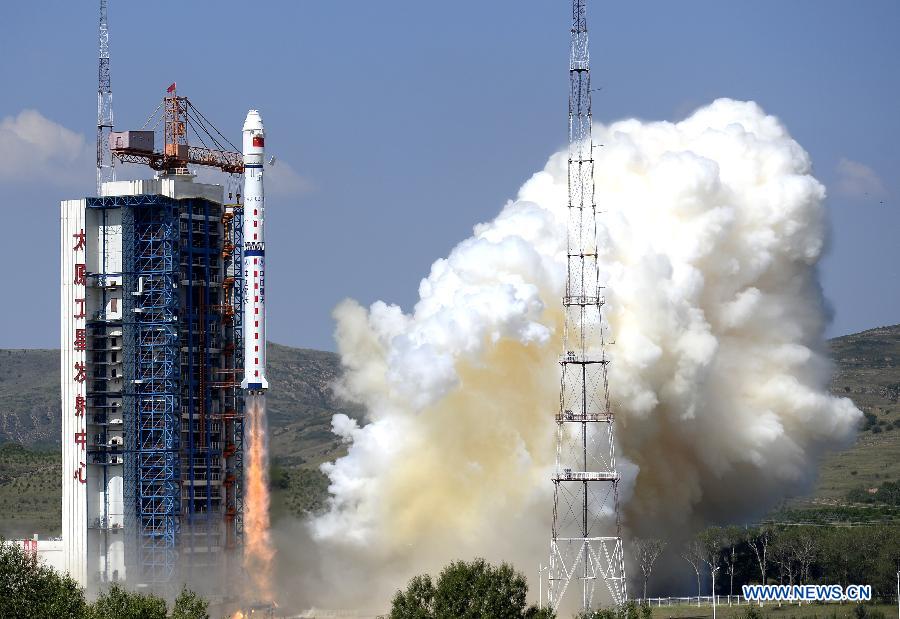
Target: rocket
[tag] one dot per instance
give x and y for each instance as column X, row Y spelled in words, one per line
column 254, row 256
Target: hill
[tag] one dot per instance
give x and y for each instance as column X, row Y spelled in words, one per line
column 29, row 397
column 301, row 403
column 868, row 372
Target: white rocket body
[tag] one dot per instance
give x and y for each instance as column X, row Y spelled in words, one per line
column 254, row 256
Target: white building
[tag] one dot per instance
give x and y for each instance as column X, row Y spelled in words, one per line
column 151, row 339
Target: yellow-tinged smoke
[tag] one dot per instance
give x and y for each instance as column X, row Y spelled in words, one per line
column 258, row 550
column 710, row 233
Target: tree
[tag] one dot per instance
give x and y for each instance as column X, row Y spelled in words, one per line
column 847, row 555
column 712, row 541
column 883, row 578
column 759, row 542
column 467, row 590
column 117, row 603
column 29, row 588
column 189, row 605
column 646, row 552
column 732, row 537
column 781, row 549
column 477, row 589
column 806, row 550
column 693, row 552
column 417, row 602
column 889, row 493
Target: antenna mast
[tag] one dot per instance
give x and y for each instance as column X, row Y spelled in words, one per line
column 585, row 545
column 106, row 170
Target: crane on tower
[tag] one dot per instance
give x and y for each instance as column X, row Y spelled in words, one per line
column 179, row 117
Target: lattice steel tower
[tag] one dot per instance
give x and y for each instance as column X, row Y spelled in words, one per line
column 106, row 170
column 585, row 543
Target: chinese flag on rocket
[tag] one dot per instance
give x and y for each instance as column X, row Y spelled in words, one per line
column 171, row 88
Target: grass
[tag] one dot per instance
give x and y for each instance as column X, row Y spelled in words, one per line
column 30, row 494
column 774, row 611
column 868, row 372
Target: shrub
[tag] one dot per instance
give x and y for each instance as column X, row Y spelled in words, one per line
column 753, row 612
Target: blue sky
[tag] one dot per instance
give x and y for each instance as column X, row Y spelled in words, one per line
column 398, row 125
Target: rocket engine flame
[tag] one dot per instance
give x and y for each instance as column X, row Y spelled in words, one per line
column 711, row 230
column 258, row 550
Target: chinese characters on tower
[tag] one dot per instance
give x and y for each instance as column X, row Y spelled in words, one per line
column 79, row 345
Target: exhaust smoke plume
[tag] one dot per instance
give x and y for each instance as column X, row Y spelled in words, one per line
column 711, row 230
column 258, row 550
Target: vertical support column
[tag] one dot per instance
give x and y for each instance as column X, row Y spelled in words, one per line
column 237, row 464
column 131, row 290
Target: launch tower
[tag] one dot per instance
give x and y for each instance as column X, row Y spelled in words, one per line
column 152, row 338
column 585, row 545
column 152, row 411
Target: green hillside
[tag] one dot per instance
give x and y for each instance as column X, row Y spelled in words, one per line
column 29, row 491
column 29, row 397
column 868, row 372
column 301, row 403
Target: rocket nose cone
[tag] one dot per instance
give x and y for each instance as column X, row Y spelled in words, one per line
column 253, row 122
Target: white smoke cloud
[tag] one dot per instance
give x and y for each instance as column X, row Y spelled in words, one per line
column 710, row 235
column 283, row 181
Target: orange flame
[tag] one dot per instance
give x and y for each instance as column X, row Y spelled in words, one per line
column 258, row 551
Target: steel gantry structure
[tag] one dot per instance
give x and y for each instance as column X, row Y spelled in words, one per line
column 586, row 545
column 106, row 170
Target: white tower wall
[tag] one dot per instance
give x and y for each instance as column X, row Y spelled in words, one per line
column 73, row 380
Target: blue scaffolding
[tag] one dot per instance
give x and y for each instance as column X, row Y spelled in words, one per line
column 150, row 264
column 182, row 406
